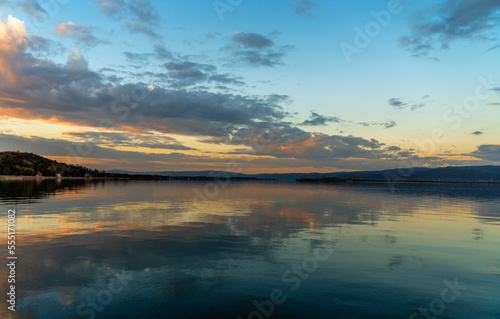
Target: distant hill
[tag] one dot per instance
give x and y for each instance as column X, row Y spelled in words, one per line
column 450, row 173
column 29, row 164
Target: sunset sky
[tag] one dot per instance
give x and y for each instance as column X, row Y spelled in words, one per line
column 269, row 86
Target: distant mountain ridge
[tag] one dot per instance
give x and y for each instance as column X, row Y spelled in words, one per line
column 450, row 173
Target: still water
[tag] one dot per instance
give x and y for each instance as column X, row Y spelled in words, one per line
column 252, row 250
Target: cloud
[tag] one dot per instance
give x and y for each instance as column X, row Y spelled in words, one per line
column 129, row 139
column 18, row 48
column 136, row 27
column 184, row 73
column 137, row 57
column 449, row 21
column 256, row 50
column 480, row 132
column 138, row 16
column 493, row 103
column 285, row 141
column 488, row 152
column 33, row 9
column 107, row 158
column 252, row 40
column 162, row 53
column 399, row 104
column 303, row 7
column 83, row 34
column 59, row 148
column 316, row 119
column 76, row 62
column 394, row 148
column 72, row 93
column 388, row 124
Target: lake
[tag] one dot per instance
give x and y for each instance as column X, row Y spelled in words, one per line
column 173, row 249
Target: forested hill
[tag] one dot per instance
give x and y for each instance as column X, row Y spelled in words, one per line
column 29, row 164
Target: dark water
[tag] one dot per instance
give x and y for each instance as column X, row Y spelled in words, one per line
column 252, row 250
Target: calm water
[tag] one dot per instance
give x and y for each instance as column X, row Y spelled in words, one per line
column 255, row 250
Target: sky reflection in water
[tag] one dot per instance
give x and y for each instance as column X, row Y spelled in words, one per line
column 391, row 251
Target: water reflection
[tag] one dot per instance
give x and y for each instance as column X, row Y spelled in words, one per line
column 183, row 260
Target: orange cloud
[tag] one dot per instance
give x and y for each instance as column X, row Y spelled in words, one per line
column 493, row 103
column 13, row 41
column 63, row 28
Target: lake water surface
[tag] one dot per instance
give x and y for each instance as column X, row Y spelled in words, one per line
column 105, row 249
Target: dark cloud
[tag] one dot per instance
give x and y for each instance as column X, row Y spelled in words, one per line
column 449, row 21
column 83, row 34
column 140, row 58
column 316, row 119
column 190, row 72
column 162, row 53
column 488, row 152
column 136, row 27
column 252, row 40
column 478, row 132
column 399, row 104
column 388, row 124
column 138, row 16
column 256, row 50
column 187, row 73
column 226, row 79
column 303, row 7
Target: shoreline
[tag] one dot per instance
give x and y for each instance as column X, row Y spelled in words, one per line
column 198, row 178
column 13, row 177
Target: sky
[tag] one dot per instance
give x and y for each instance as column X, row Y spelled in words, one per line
column 251, row 85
